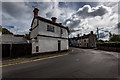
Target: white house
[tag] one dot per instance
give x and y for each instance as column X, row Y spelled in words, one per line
column 47, row 35
column 0, row 34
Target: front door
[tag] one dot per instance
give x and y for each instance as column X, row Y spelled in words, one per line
column 59, row 46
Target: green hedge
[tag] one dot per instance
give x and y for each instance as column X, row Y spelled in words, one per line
column 112, row 44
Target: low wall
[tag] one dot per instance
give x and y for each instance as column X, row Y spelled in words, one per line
column 109, row 46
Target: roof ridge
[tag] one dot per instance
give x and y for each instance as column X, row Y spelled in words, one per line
column 49, row 21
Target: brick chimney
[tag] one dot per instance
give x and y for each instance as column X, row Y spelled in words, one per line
column 60, row 24
column 35, row 12
column 78, row 35
column 91, row 32
column 54, row 19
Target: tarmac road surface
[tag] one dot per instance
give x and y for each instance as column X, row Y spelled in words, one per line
column 79, row 63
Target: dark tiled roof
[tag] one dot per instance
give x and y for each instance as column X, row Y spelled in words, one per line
column 19, row 35
column 50, row 22
column 83, row 37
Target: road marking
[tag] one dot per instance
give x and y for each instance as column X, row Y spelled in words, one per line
column 33, row 60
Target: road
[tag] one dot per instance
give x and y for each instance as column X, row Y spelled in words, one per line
column 79, row 63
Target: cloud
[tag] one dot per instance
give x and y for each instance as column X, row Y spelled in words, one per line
column 20, row 14
column 91, row 18
column 16, row 14
column 15, row 10
column 118, row 25
column 87, row 11
column 80, row 19
column 83, row 13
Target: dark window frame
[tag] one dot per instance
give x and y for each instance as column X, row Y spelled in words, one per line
column 50, row 28
column 61, row 31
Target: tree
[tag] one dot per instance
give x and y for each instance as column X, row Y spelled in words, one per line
column 115, row 38
column 6, row 31
column 27, row 36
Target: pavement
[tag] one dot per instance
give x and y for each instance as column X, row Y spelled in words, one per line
column 76, row 64
column 19, row 60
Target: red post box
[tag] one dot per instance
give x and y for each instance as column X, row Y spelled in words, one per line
column 37, row 48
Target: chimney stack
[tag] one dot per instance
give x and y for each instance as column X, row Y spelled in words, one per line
column 78, row 35
column 35, row 12
column 91, row 32
column 60, row 23
column 54, row 19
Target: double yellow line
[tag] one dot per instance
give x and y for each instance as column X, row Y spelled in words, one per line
column 32, row 60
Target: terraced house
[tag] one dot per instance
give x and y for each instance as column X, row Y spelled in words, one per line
column 87, row 41
column 47, row 35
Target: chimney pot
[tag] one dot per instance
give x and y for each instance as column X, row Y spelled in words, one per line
column 91, row 32
column 35, row 12
column 54, row 19
column 60, row 23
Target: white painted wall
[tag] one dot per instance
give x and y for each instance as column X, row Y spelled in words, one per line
column 57, row 33
column 11, row 39
column 48, row 44
column 64, row 44
column 0, row 34
column 7, row 39
column 19, row 40
column 34, row 44
column 34, row 32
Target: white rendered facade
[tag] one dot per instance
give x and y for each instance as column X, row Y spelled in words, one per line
column 48, row 41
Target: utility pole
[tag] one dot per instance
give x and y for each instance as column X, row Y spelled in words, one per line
column 98, row 33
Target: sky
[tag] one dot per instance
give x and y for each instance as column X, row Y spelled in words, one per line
column 80, row 17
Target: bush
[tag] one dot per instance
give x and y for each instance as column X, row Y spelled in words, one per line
column 112, row 44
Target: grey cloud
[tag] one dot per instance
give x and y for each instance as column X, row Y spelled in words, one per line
column 48, row 14
column 74, row 23
column 16, row 14
column 118, row 25
column 84, row 13
column 99, row 12
column 103, row 35
column 72, row 30
column 66, row 21
column 15, row 10
column 106, row 31
column 20, row 14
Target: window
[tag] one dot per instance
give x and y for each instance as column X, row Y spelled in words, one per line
column 84, row 40
column 50, row 28
column 61, row 31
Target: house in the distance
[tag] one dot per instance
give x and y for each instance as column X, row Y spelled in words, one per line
column 47, row 35
column 73, row 42
column 87, row 41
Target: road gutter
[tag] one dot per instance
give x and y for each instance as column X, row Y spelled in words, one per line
column 40, row 59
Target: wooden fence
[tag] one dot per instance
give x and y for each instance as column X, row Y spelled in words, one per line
column 16, row 50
